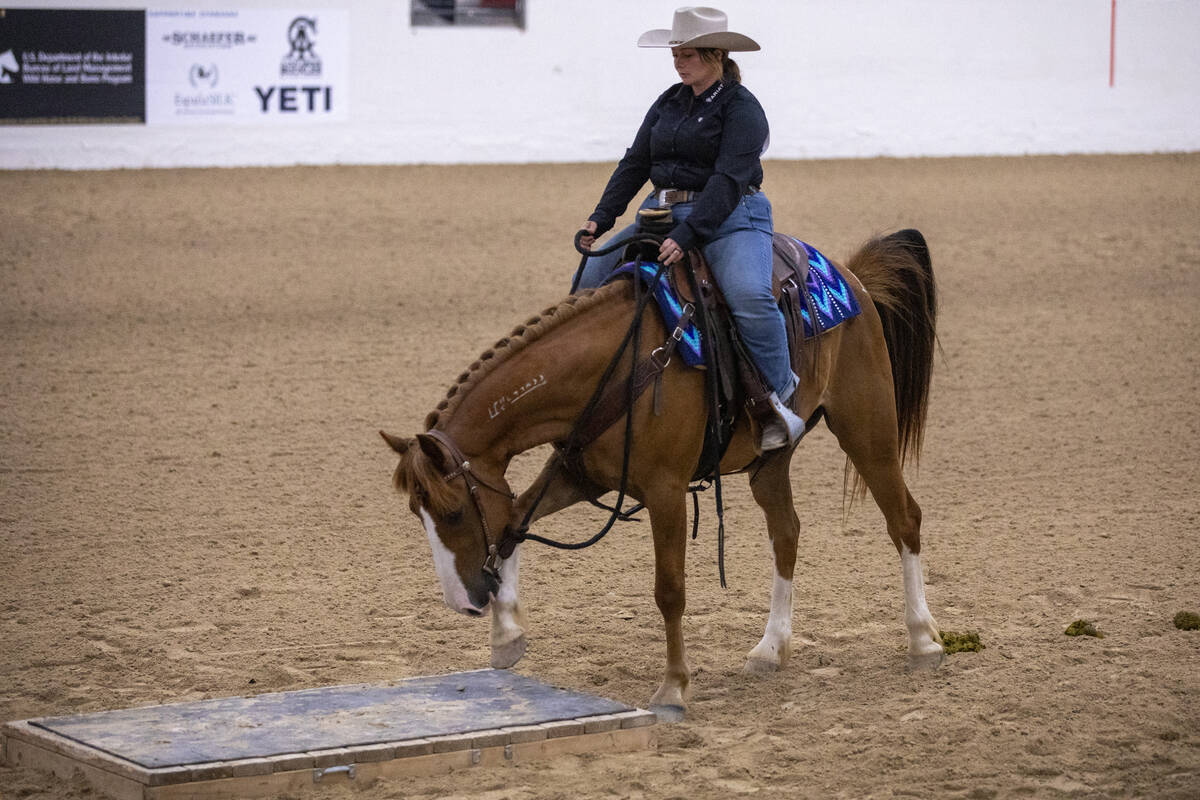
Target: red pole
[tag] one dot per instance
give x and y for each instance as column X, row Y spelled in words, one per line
column 1112, row 46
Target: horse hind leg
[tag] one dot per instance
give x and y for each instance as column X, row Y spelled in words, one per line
column 772, row 491
column 873, row 448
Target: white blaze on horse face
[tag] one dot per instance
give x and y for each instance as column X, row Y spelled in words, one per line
column 453, row 590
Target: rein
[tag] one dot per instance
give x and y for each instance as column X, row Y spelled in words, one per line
column 576, row 441
column 514, row 537
column 661, row 357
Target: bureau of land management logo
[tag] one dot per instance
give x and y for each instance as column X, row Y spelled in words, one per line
column 301, row 58
column 9, row 68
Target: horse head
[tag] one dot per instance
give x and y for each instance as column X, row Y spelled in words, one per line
column 464, row 508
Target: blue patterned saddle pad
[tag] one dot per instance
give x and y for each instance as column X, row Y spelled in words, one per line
column 826, row 295
column 671, row 307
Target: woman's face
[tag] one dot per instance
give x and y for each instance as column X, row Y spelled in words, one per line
column 695, row 72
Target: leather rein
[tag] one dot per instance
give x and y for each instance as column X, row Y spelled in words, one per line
column 584, row 430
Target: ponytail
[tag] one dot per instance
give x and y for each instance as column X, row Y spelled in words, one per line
column 730, row 71
column 729, row 68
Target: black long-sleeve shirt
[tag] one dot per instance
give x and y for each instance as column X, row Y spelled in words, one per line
column 709, row 143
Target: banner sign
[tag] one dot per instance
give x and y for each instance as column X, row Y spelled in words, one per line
column 72, row 66
column 247, row 66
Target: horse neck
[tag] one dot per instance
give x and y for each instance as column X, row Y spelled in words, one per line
column 535, row 395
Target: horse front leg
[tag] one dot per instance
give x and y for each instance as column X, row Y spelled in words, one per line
column 772, row 490
column 557, row 490
column 508, row 619
column 669, row 521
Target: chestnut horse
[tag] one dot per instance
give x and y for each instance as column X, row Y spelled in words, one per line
column 869, row 378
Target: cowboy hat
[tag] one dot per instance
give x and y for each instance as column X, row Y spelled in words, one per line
column 698, row 26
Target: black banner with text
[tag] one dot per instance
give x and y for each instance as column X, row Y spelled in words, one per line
column 72, row 66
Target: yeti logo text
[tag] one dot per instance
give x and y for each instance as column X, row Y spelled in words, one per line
column 292, row 99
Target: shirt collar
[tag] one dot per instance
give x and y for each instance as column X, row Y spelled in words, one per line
column 707, row 96
column 710, row 94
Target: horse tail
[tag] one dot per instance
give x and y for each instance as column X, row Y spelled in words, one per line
column 898, row 274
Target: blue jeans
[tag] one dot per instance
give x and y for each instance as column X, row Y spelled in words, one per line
column 740, row 257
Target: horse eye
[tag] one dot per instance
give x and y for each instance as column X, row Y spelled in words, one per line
column 454, row 517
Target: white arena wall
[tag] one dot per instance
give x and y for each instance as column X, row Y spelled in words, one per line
column 852, row 78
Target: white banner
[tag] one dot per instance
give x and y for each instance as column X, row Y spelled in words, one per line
column 251, row 66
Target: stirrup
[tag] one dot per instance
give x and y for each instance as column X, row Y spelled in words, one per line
column 785, row 429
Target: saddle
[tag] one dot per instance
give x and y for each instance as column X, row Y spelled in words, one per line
column 811, row 294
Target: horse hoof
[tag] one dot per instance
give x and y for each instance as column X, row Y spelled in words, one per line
column 669, row 713
column 926, row 662
column 759, row 666
column 506, row 655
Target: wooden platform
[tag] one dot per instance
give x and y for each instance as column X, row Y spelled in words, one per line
column 284, row 742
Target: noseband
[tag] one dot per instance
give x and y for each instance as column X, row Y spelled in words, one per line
column 491, row 562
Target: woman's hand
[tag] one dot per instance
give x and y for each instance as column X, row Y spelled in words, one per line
column 670, row 252
column 586, row 242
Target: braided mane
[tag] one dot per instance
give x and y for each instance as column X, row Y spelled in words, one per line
column 521, row 337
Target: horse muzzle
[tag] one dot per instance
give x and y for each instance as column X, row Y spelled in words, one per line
column 475, row 600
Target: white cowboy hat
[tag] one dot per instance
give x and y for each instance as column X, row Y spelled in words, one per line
column 698, row 26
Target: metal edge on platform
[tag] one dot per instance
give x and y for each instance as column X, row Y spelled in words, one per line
column 620, row 740
column 28, row 745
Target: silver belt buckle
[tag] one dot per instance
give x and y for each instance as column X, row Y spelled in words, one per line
column 678, row 195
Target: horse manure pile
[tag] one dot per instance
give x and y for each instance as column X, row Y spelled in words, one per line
column 1081, row 627
column 1187, row 621
column 961, row 642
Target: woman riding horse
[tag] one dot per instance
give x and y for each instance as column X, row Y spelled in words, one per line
column 868, row 377
column 700, row 145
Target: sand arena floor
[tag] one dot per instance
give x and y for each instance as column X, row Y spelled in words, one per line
column 194, row 501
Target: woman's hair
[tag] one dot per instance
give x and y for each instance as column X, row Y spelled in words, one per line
column 729, row 67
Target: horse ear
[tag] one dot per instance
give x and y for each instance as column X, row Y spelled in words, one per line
column 432, row 451
column 395, row 442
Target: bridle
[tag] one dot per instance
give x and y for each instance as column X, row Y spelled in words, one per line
column 462, row 467
column 500, row 548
